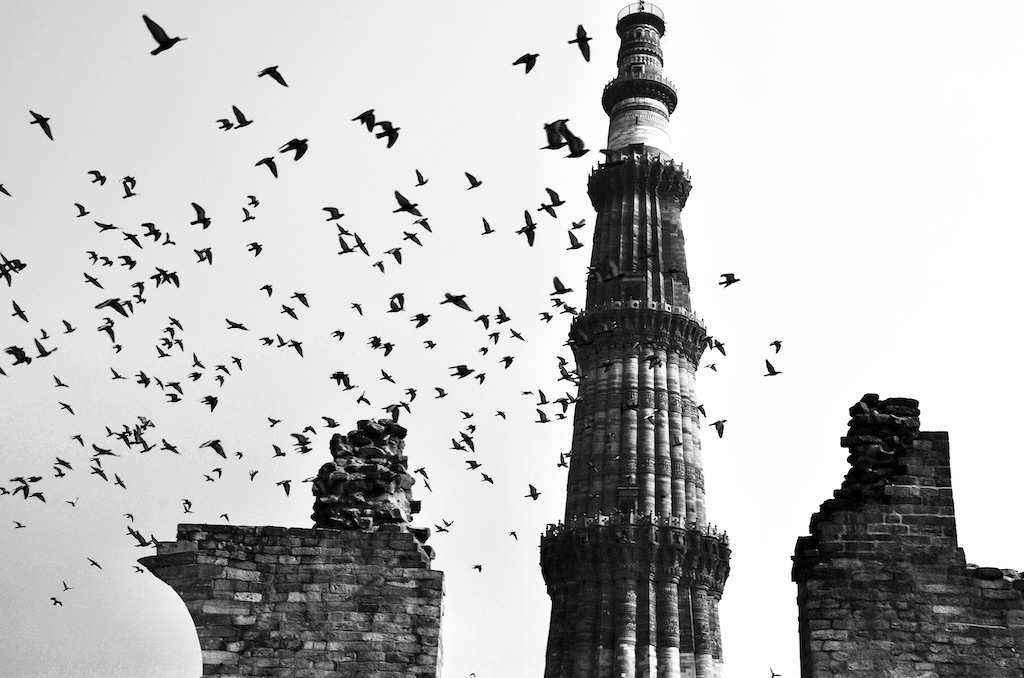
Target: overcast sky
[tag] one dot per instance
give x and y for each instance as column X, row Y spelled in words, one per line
column 856, row 165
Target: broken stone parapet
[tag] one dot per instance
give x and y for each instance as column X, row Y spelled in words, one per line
column 367, row 486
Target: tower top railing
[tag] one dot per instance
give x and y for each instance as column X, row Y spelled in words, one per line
column 638, row 7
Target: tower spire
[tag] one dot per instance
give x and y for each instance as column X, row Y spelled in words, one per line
column 634, row 571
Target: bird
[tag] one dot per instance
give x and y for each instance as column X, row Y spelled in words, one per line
column 719, row 426
column 240, row 117
column 225, row 124
column 527, row 60
column 201, row 218
column 487, row 228
column 728, row 279
column 334, row 213
column 271, row 165
column 478, row 568
column 456, row 299
column 366, row 118
column 574, row 243
column 554, row 132
column 97, row 177
column 777, row 344
column 81, row 210
column 559, row 287
column 577, row 148
column 160, row 35
column 93, row 563
column 771, row 369
column 236, row 326
column 533, row 493
column 216, row 446
column 287, row 485
column 211, row 401
column 56, row 602
column 529, row 230
column 44, row 124
column 390, row 131
column 300, row 146
column 419, row 178
column 473, row 181
column 405, row 206
column 18, row 312
column 582, row 41
column 273, row 73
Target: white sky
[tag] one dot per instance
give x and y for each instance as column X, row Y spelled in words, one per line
column 856, row 165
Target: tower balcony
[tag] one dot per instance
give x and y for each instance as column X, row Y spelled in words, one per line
column 640, row 13
column 647, row 85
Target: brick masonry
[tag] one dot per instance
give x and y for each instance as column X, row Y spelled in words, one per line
column 883, row 589
column 309, row 603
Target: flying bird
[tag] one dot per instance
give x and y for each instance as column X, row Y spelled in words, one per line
column 300, row 146
column 456, row 299
column 201, row 218
column 533, row 493
column 334, row 213
column 473, row 181
column 771, row 369
column 366, row 118
column 419, row 178
column 271, row 165
column 390, row 131
column 527, row 60
column 44, row 124
column 160, row 35
column 728, row 279
column 583, row 42
column 559, row 287
column 405, row 206
column 240, row 117
column 777, row 344
column 273, row 73
column 97, row 177
column 719, row 426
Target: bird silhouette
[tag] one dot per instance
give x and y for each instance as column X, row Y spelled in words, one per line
column 366, row 118
column 533, row 493
column 271, row 165
column 582, row 41
column 728, row 279
column 473, row 181
column 527, row 60
column 554, row 131
column 777, row 344
column 201, row 218
column 273, row 73
column 456, row 299
column 390, row 131
column 719, row 426
column 300, row 146
column 160, row 35
column 405, row 206
column 44, row 124
column 771, row 369
column 240, row 117
column 419, row 178
column 97, row 177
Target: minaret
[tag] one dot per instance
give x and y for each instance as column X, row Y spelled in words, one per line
column 635, row 572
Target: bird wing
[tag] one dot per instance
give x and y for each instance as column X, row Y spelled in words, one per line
column 159, row 34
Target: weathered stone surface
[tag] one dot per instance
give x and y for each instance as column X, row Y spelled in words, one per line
column 883, row 588
column 306, row 610
column 367, row 485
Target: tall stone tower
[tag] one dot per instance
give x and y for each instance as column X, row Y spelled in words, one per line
column 634, row 571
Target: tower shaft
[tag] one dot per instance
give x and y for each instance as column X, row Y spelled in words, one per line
column 634, row 571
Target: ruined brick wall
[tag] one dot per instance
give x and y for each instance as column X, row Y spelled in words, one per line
column 883, row 590
column 316, row 603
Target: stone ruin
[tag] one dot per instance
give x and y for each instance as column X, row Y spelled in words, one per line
column 367, row 487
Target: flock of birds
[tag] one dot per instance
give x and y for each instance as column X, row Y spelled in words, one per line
column 201, row 378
